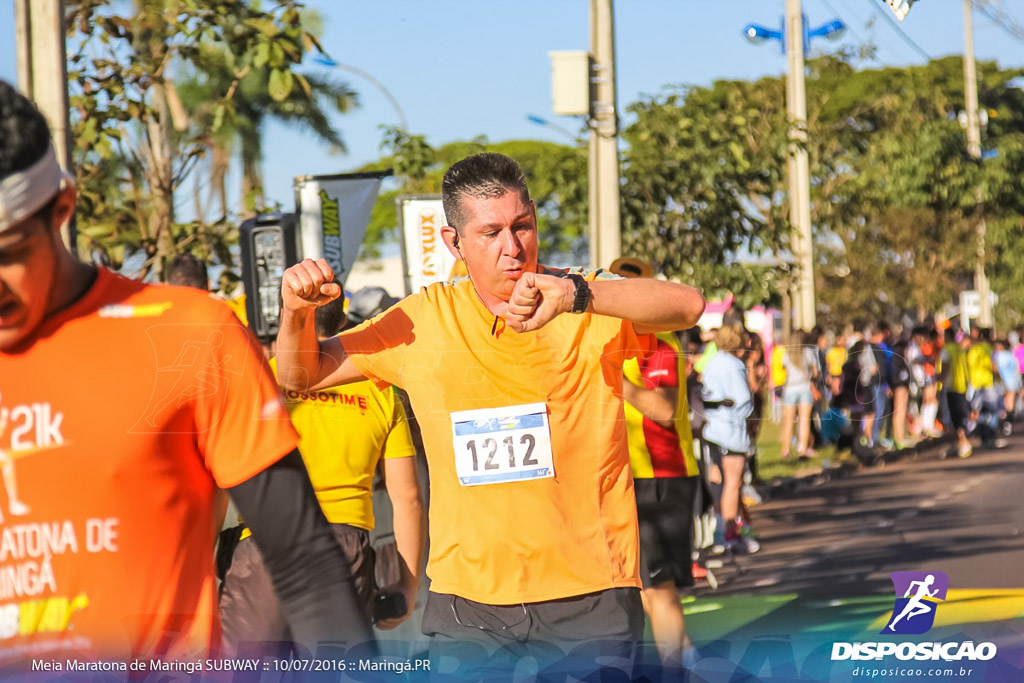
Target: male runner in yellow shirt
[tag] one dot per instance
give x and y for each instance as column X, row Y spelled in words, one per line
column 516, row 379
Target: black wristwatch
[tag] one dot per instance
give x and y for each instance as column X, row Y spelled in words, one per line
column 582, row 298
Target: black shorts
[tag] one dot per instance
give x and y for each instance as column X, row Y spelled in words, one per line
column 664, row 508
column 488, row 641
column 958, row 409
column 715, row 453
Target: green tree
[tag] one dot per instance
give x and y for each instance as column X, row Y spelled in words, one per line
column 904, row 223
column 556, row 175
column 126, row 110
column 241, row 127
column 893, row 192
column 704, row 185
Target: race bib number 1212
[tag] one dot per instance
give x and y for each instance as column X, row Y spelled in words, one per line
column 497, row 445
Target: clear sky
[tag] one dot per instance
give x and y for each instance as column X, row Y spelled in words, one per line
column 462, row 68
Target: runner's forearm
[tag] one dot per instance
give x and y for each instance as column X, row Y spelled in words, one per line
column 410, row 534
column 658, row 405
column 651, row 305
column 298, row 351
column 409, row 520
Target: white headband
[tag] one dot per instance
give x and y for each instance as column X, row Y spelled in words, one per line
column 25, row 192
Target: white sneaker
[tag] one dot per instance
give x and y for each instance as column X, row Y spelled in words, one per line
column 742, row 545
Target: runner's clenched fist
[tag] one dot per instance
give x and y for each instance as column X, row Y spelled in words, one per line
column 309, row 284
column 536, row 300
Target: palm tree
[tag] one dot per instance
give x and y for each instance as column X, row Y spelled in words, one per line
column 251, row 106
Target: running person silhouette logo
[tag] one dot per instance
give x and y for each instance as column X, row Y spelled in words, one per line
column 191, row 376
column 914, row 613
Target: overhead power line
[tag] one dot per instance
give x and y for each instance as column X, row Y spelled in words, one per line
column 999, row 17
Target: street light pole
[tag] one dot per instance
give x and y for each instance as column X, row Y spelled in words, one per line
column 799, row 168
column 603, row 159
column 974, row 150
column 327, row 61
column 795, row 37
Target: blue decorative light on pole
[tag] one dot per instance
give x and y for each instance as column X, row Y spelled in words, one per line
column 832, row 30
column 793, row 35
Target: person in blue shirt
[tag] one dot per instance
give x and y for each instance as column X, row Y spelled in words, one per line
column 727, row 403
column 1009, row 375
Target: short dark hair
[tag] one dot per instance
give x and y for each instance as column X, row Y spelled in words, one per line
column 24, row 137
column 24, row 133
column 330, row 317
column 485, row 176
column 187, row 271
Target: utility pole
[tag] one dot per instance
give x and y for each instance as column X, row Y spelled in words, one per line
column 43, row 76
column 974, row 149
column 603, row 162
column 799, row 169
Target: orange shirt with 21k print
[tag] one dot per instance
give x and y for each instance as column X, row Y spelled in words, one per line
column 127, row 411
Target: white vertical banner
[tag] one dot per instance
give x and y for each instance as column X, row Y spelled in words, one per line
column 334, row 212
column 424, row 255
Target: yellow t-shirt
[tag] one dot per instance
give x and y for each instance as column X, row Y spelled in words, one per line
column 553, row 532
column 778, row 366
column 237, row 306
column 957, row 369
column 343, row 433
column 979, row 365
column 655, row 451
column 835, row 359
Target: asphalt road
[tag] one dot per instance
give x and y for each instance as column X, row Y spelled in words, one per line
column 844, row 537
column 823, row 573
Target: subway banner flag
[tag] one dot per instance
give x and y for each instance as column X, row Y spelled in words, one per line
column 334, row 211
column 900, row 7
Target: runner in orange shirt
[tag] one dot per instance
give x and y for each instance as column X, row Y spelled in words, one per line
column 516, row 378
column 119, row 449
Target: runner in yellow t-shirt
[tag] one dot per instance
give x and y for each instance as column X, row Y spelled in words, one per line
column 953, row 374
column 533, row 520
column 986, row 402
column 343, row 434
column 835, row 359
